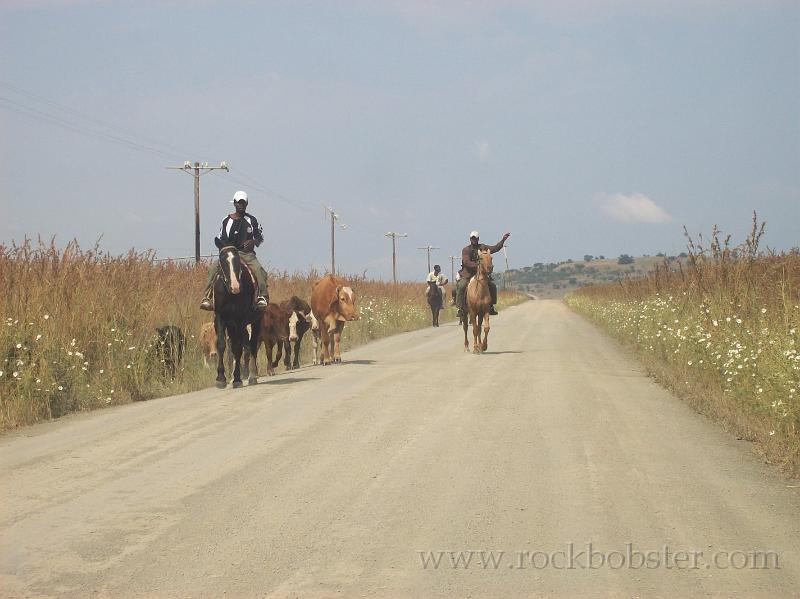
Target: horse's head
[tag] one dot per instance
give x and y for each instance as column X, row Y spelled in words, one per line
column 485, row 261
column 230, row 265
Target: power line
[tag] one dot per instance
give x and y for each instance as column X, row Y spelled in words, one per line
column 94, row 120
column 39, row 115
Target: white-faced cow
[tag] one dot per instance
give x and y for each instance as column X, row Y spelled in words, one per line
column 333, row 302
column 299, row 322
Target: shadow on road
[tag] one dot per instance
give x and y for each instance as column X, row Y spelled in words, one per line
column 287, row 381
column 358, row 362
column 497, row 353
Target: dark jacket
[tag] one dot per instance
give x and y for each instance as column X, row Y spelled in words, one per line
column 235, row 231
column 469, row 257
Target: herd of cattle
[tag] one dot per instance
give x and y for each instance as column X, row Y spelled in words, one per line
column 283, row 326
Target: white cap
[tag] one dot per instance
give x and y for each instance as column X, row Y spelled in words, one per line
column 239, row 195
column 474, row 234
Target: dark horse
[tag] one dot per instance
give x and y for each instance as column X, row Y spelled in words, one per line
column 234, row 309
column 435, row 301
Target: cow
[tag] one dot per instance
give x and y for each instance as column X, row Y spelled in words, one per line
column 333, row 303
column 274, row 330
column 170, row 343
column 299, row 322
column 208, row 343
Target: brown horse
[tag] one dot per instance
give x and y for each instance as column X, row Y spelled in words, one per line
column 479, row 299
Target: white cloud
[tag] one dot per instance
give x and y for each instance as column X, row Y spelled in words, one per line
column 482, row 150
column 634, row 208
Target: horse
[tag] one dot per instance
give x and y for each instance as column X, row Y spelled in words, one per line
column 434, row 296
column 234, row 310
column 478, row 301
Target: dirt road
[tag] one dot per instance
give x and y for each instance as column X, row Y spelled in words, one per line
column 354, row 480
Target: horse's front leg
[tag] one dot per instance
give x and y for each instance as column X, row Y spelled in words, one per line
column 245, row 361
column 465, row 323
column 485, row 345
column 254, row 343
column 236, row 347
column 476, row 347
column 219, row 328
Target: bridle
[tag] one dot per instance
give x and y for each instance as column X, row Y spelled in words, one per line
column 482, row 270
column 223, row 271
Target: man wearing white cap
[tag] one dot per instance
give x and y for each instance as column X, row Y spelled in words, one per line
column 469, row 268
column 242, row 231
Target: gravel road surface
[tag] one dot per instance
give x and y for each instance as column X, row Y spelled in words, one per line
column 396, row 474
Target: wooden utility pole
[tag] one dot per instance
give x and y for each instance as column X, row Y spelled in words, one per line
column 505, row 274
column 394, row 236
column 196, row 170
column 428, row 248
column 452, row 269
column 334, row 217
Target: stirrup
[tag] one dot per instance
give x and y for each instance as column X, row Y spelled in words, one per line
column 492, row 311
column 206, row 304
column 261, row 302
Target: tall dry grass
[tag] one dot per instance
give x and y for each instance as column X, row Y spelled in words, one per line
column 723, row 333
column 77, row 327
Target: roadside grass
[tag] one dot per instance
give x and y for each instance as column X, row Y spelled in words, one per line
column 723, row 334
column 77, row 327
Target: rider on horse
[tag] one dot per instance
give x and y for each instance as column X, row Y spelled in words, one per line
column 242, row 231
column 437, row 277
column 469, row 268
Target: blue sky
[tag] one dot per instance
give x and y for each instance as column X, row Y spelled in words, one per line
column 580, row 127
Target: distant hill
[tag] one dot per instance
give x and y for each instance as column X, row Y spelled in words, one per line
column 556, row 279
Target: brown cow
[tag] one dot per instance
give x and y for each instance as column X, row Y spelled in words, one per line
column 333, row 303
column 274, row 330
column 208, row 343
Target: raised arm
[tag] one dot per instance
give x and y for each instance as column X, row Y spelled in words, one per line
column 499, row 245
